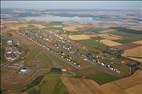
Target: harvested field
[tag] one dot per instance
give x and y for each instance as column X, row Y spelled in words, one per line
column 72, row 27
column 129, row 85
column 125, row 86
column 79, row 37
column 138, row 42
column 81, row 86
column 78, row 27
column 128, row 46
column 49, row 84
column 112, row 89
column 92, row 35
column 134, row 90
column 110, row 42
column 136, row 59
column 17, row 26
column 134, row 52
column 109, row 36
column 107, row 31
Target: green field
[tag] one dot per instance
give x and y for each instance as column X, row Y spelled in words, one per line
column 50, row 84
column 127, row 37
column 94, row 74
column 97, row 29
column 93, row 43
column 44, row 59
column 101, row 77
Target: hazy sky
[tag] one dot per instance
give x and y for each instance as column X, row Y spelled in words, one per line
column 72, row 4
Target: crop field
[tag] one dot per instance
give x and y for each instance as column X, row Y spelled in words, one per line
column 97, row 74
column 93, row 43
column 128, row 46
column 138, row 42
column 71, row 27
column 77, row 27
column 97, row 29
column 109, row 36
column 102, row 78
column 79, row 37
column 134, row 53
column 134, row 90
column 81, row 86
column 50, row 84
column 129, row 85
column 110, row 43
column 18, row 25
column 127, row 37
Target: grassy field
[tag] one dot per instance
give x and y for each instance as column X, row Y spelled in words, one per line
column 97, row 29
column 97, row 74
column 92, row 43
column 127, row 37
column 34, row 53
column 44, row 60
column 101, row 77
column 127, row 30
column 50, row 84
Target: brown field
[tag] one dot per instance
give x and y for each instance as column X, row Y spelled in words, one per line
column 129, row 85
column 106, row 31
column 81, row 86
column 136, row 59
column 138, row 42
column 109, row 36
column 134, row 90
column 16, row 26
column 134, row 53
column 79, row 37
column 78, row 27
column 128, row 46
column 110, row 42
column 71, row 27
